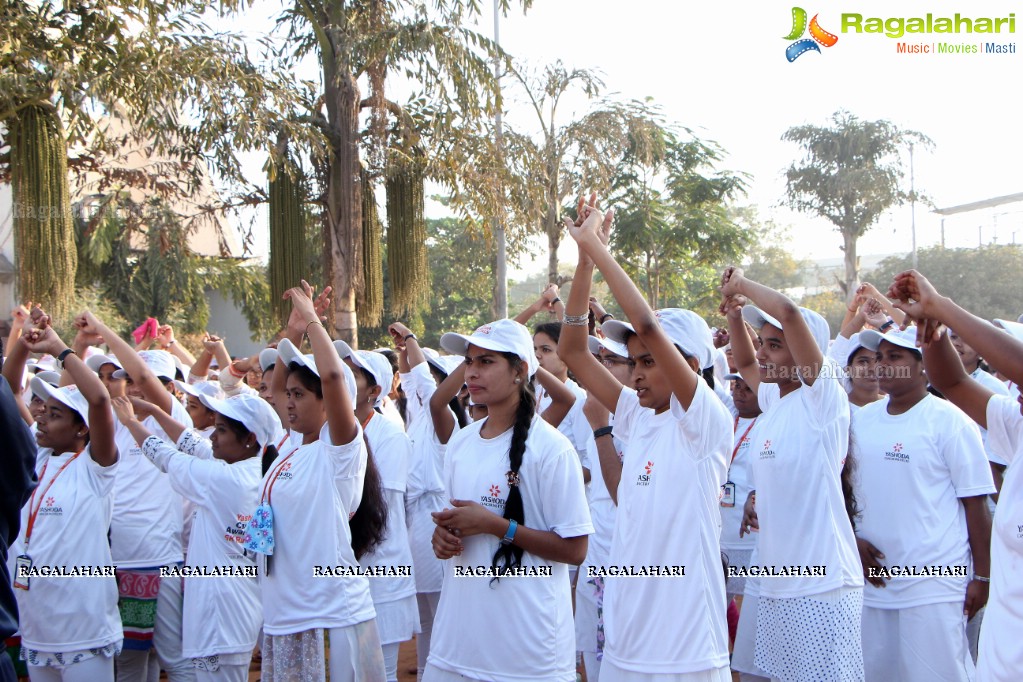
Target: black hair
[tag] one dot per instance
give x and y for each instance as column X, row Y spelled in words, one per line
column 307, row 378
column 241, row 431
column 369, row 522
column 392, row 358
column 551, row 329
column 508, row 557
column 455, row 404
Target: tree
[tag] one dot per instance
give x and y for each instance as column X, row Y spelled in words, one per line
column 987, row 281
column 672, row 228
column 585, row 152
column 768, row 258
column 68, row 68
column 374, row 38
column 850, row 173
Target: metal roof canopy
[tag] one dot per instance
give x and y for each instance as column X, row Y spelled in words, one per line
column 984, row 203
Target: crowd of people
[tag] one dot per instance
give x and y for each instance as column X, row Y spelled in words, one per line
column 638, row 499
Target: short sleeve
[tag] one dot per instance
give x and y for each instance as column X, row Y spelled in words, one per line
column 767, row 396
column 826, row 399
column 348, row 462
column 705, row 420
column 199, row 480
column 419, row 387
column 838, row 352
column 1004, row 427
column 967, row 462
column 101, row 477
column 191, row 443
column 562, row 494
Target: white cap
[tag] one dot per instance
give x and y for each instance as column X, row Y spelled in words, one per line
column 199, row 389
column 733, row 377
column 267, row 357
column 686, row 329
column 819, row 329
column 256, row 414
column 506, row 336
column 871, row 339
column 68, row 395
column 160, row 362
column 610, row 346
column 1014, row 328
column 288, row 354
column 52, row 378
column 379, row 367
column 45, row 363
column 446, row 363
column 97, row 361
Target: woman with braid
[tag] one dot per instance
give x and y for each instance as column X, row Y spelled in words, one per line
column 518, row 509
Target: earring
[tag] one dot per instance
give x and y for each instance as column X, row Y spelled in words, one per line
column 518, row 380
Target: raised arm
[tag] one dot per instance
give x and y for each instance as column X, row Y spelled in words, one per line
column 172, row 427
column 573, row 347
column 549, row 300
column 341, row 421
column 443, row 420
column 165, row 339
column 136, row 368
column 807, row 355
column 918, row 298
column 681, row 377
column 101, row 419
column 946, row 373
column 562, row 398
column 744, row 352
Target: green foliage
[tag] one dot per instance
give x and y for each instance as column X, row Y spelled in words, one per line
column 370, row 304
column 850, row 173
column 830, row 305
column 153, row 273
column 288, row 262
column 406, row 237
column 673, row 229
column 987, row 281
column 768, row 258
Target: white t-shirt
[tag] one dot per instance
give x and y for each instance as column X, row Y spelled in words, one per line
column 1001, row 656
column 64, row 614
column 188, row 507
column 991, row 383
column 802, row 441
column 425, row 492
column 390, row 412
column 143, row 533
column 314, row 493
column 602, row 512
column 740, row 473
column 391, row 451
column 574, row 426
column 672, row 473
column 517, row 628
column 222, row 615
column 914, row 467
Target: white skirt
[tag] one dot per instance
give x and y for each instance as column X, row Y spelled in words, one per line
column 812, row 639
column 397, row 620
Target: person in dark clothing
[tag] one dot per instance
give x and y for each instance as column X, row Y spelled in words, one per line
column 17, row 480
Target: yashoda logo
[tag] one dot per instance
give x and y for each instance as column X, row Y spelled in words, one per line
column 818, row 36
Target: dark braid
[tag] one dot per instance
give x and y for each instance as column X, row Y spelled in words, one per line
column 852, row 506
column 508, row 557
column 269, row 455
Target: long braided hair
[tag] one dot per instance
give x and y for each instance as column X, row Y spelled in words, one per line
column 509, row 557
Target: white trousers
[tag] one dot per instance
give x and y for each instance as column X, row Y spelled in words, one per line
column 917, row 644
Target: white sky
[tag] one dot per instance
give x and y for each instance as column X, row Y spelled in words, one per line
column 720, row 69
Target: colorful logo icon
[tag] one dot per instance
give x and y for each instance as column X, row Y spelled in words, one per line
column 495, row 491
column 803, row 45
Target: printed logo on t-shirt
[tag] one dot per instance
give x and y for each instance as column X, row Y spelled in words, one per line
column 285, row 472
column 766, row 452
column 50, row 507
column 493, row 498
column 644, row 478
column 134, row 451
column 896, row 454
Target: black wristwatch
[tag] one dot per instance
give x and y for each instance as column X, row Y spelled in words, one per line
column 602, row 431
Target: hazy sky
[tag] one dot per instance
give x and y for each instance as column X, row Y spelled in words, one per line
column 720, row 68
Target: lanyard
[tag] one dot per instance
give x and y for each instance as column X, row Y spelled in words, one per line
column 33, row 513
column 739, row 443
column 366, row 423
column 268, row 487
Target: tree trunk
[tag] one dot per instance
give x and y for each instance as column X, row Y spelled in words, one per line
column 343, row 220
column 852, row 264
column 553, row 242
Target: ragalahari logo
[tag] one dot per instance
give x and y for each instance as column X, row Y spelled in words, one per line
column 803, row 45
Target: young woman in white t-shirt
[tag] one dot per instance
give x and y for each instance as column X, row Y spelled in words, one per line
column 1001, row 657
column 70, row 628
column 220, row 476
column 307, row 496
column 676, row 437
column 808, row 626
column 518, row 504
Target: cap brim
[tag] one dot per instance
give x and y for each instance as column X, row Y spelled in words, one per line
column 732, row 377
column 46, row 391
column 617, row 331
column 458, row 344
column 267, row 358
column 96, row 361
column 289, row 354
column 871, row 340
column 757, row 318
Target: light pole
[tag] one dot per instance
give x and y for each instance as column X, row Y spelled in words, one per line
column 500, row 308
column 912, row 203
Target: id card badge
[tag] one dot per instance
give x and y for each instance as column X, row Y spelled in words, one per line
column 22, row 571
column 728, row 494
